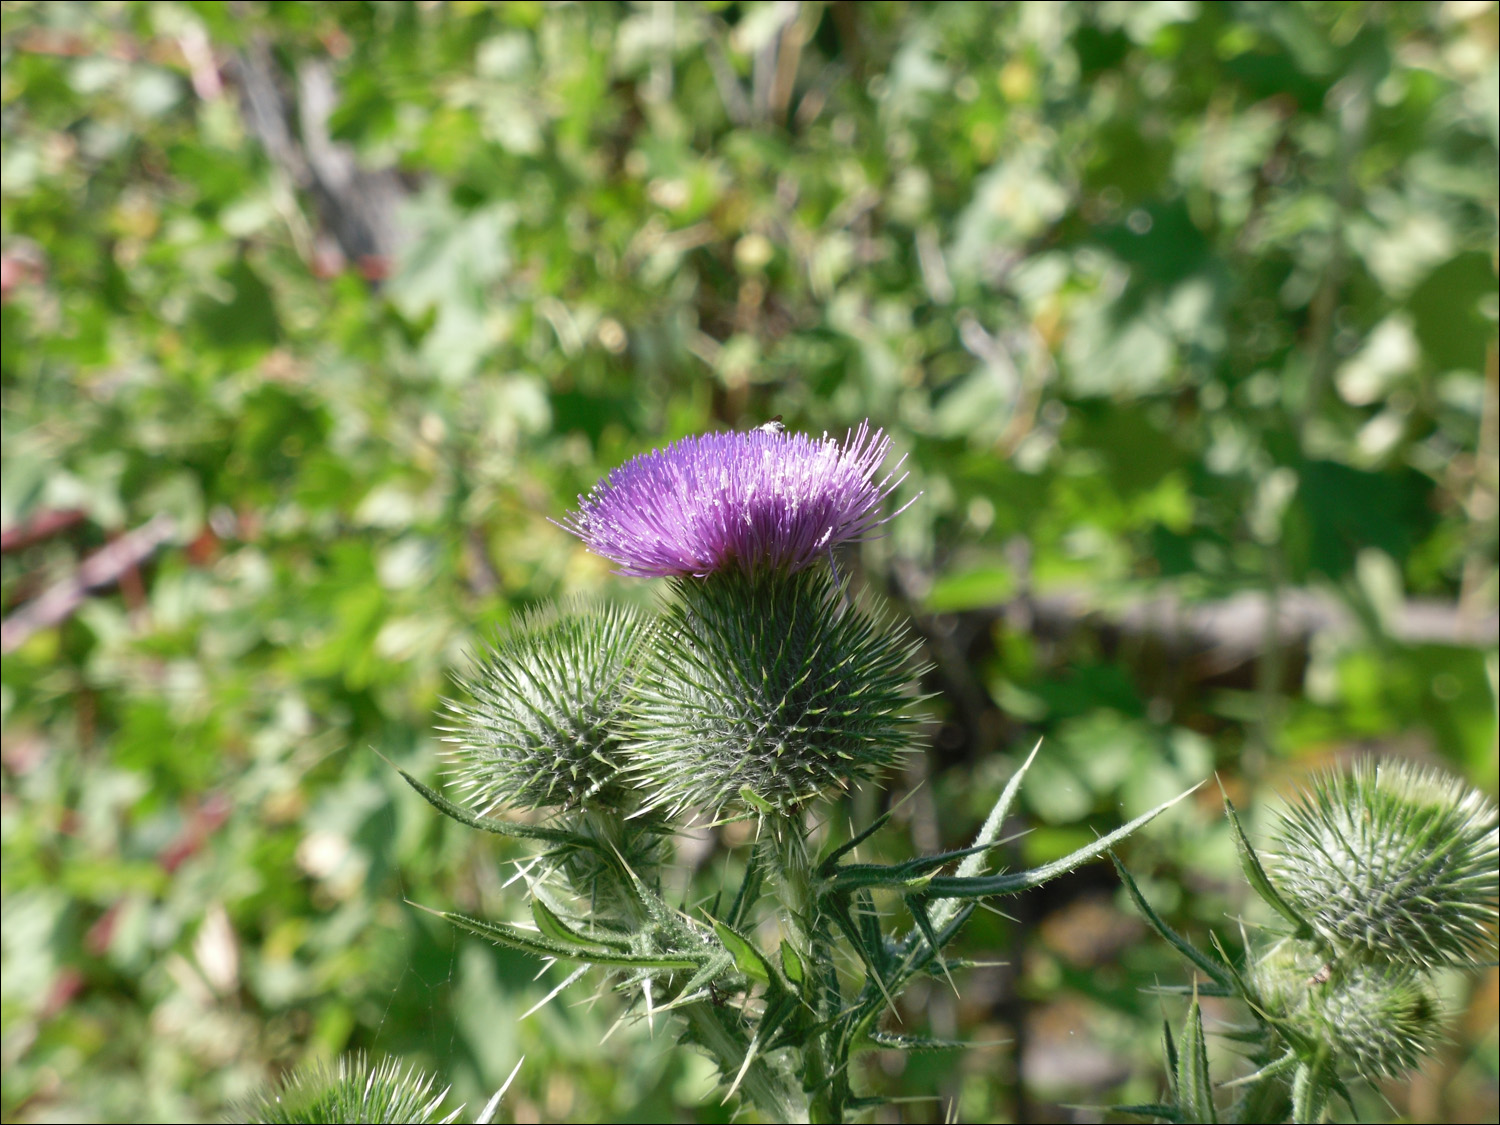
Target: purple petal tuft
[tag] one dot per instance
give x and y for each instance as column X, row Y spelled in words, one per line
column 753, row 500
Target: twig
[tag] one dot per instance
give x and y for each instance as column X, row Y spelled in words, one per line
column 104, row 567
column 44, row 526
column 357, row 205
column 1234, row 630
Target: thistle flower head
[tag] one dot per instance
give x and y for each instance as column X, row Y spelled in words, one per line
column 1391, row 862
column 543, row 727
column 766, row 685
column 757, row 500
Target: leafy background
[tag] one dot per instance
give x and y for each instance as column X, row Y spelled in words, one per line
column 1180, row 311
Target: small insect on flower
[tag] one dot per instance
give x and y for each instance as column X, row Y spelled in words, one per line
column 762, row 500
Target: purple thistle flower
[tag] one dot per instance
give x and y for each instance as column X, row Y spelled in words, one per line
column 752, row 500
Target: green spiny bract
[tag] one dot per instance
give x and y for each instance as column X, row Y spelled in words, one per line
column 1376, row 1020
column 543, row 728
column 622, row 850
column 351, row 1090
column 1282, row 975
column 1393, row 863
column 766, row 687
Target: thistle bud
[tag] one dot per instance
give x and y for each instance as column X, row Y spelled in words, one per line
column 351, row 1090
column 1393, row 863
column 1377, row 1020
column 543, row 728
column 766, row 687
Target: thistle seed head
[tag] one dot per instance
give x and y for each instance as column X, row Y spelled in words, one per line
column 767, row 683
column 1392, row 862
column 543, row 726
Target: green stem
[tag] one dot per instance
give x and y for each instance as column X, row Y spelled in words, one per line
column 1310, row 1090
column 715, row 1029
column 1268, row 1098
column 823, row 1078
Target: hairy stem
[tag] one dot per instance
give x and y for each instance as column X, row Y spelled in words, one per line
column 824, row 1079
column 714, row 1028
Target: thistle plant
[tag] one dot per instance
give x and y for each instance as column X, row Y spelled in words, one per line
column 1379, row 876
column 762, row 685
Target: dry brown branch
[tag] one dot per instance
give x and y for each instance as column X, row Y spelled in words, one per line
column 104, row 567
column 1233, row 631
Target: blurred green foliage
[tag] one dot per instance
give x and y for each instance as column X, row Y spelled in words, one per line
column 1163, row 299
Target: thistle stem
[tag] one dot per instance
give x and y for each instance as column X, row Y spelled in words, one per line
column 825, row 1082
column 713, row 1028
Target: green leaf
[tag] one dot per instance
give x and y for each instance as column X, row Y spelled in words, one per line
column 757, row 802
column 747, row 958
column 720, row 1032
column 1195, row 1093
column 1238, row 981
column 989, row 833
column 827, row 863
column 779, row 1025
column 1274, row 1069
column 503, row 934
column 878, row 875
column 1159, row 1112
column 555, row 928
column 791, row 964
column 714, row 967
column 778, row 1012
column 959, row 887
column 1169, row 1053
column 1256, row 875
column 918, row 909
column 1202, row 988
column 871, row 954
column 1267, row 1099
column 910, row 875
column 1181, row 944
column 891, row 1041
column 1309, row 1093
column 979, row 587
column 498, row 827
column 749, row 890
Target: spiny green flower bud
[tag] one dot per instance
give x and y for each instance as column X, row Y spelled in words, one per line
column 1392, row 862
column 1380, row 1019
column 1377, row 1020
column 767, row 687
column 543, row 727
column 352, row 1090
